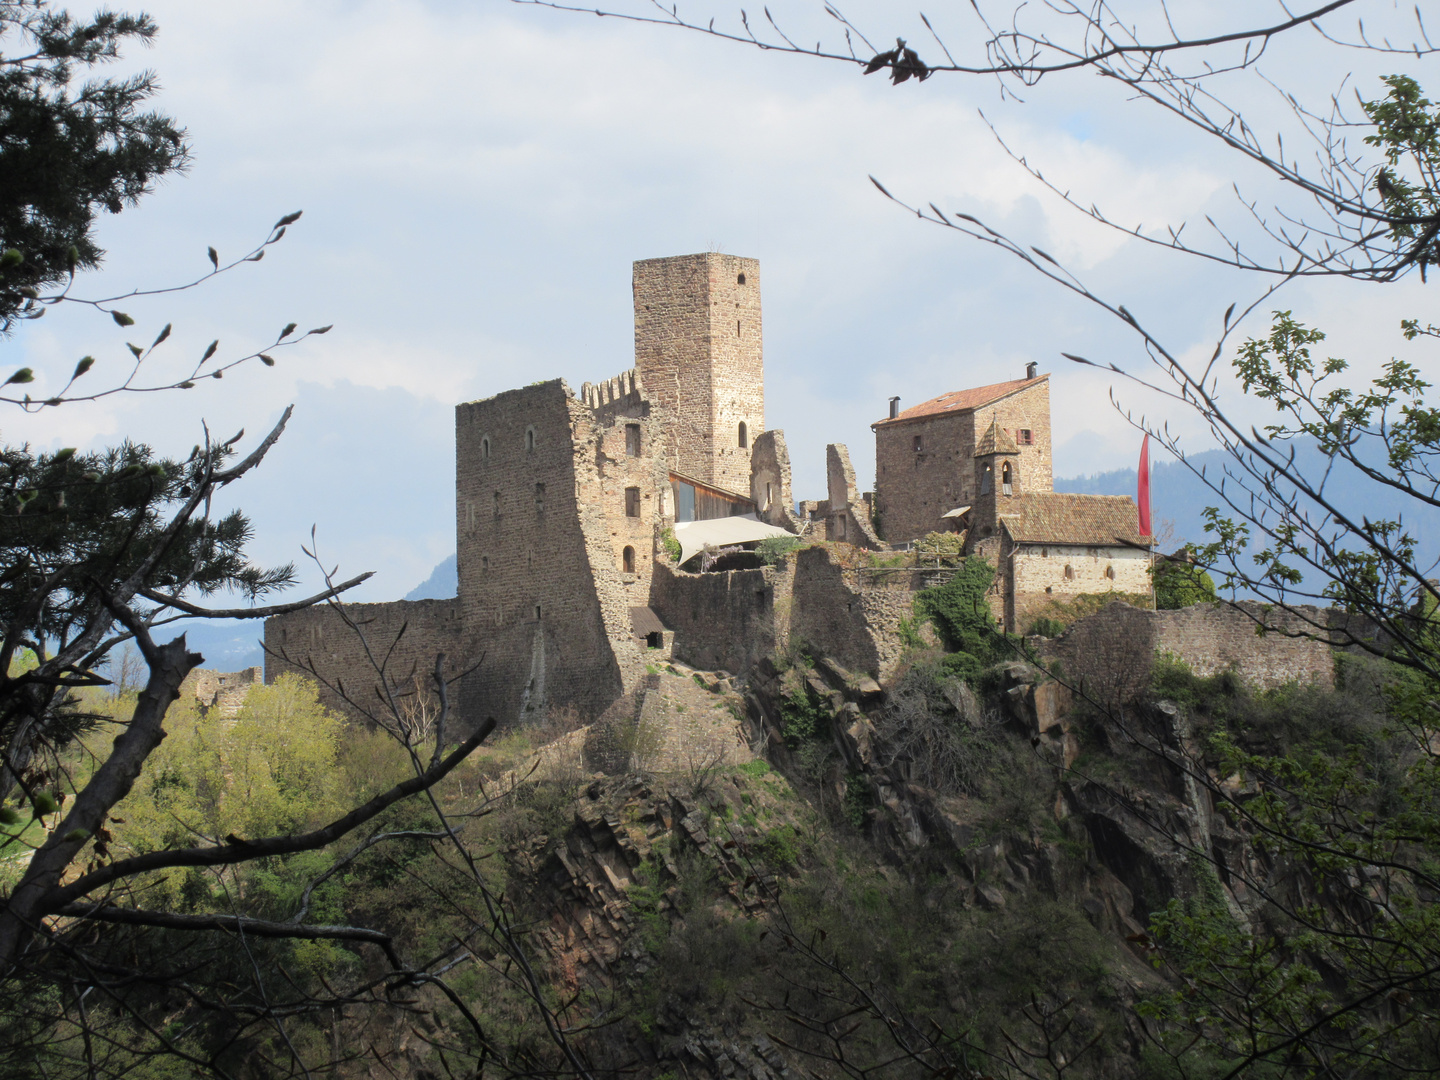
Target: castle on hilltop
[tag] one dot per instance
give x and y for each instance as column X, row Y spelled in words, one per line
column 594, row 528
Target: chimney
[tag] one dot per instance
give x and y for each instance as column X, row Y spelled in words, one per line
column 1032, row 370
column 894, row 407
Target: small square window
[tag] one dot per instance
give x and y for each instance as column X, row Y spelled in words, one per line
column 1025, row 437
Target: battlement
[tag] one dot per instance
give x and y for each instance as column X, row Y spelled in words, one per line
column 625, row 387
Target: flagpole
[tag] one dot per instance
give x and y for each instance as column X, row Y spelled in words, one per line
column 1142, row 500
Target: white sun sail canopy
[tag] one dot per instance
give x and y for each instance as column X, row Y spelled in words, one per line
column 695, row 536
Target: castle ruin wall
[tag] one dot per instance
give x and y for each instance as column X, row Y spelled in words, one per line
column 318, row 638
column 1114, row 650
column 527, row 498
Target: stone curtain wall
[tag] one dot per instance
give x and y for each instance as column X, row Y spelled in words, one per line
column 722, row 621
column 1116, row 647
column 853, row 614
column 318, row 637
column 729, row 621
column 527, row 593
column 698, row 348
column 913, row 490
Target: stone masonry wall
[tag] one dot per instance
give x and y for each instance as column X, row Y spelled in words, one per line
column 528, row 595
column 698, row 348
column 770, row 481
column 318, row 637
column 849, row 516
column 1039, row 579
column 914, row 488
column 1115, row 648
column 722, row 621
column 613, row 478
column 853, row 614
column 223, row 690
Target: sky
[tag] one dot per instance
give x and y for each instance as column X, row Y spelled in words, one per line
column 476, row 179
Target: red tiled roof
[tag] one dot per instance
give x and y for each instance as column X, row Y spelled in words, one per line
column 958, row 401
column 1055, row 518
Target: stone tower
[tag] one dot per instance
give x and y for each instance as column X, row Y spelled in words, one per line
column 698, row 350
column 997, row 478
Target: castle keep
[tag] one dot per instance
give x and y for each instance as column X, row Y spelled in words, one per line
column 566, row 503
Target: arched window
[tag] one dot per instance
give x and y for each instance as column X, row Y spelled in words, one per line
column 627, row 560
column 739, row 279
column 1005, row 479
column 1069, row 572
column 485, row 447
column 985, row 480
column 529, row 439
column 1110, row 572
column 744, row 436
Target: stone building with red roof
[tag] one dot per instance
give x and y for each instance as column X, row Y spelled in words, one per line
column 979, row 462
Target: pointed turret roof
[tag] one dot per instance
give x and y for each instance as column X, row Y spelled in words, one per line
column 996, row 440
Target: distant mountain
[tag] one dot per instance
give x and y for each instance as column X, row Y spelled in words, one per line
column 226, row 644
column 1177, row 495
column 442, row 584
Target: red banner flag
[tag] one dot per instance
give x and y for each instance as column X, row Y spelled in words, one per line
column 1142, row 494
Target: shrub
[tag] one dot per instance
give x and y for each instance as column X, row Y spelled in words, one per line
column 670, row 545
column 961, row 615
column 774, row 549
column 1179, row 585
column 1046, row 627
column 942, row 547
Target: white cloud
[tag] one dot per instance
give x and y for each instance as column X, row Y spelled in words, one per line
column 477, row 178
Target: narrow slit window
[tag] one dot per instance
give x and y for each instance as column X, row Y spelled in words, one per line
column 529, row 439
column 744, row 436
column 485, row 448
column 539, row 497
